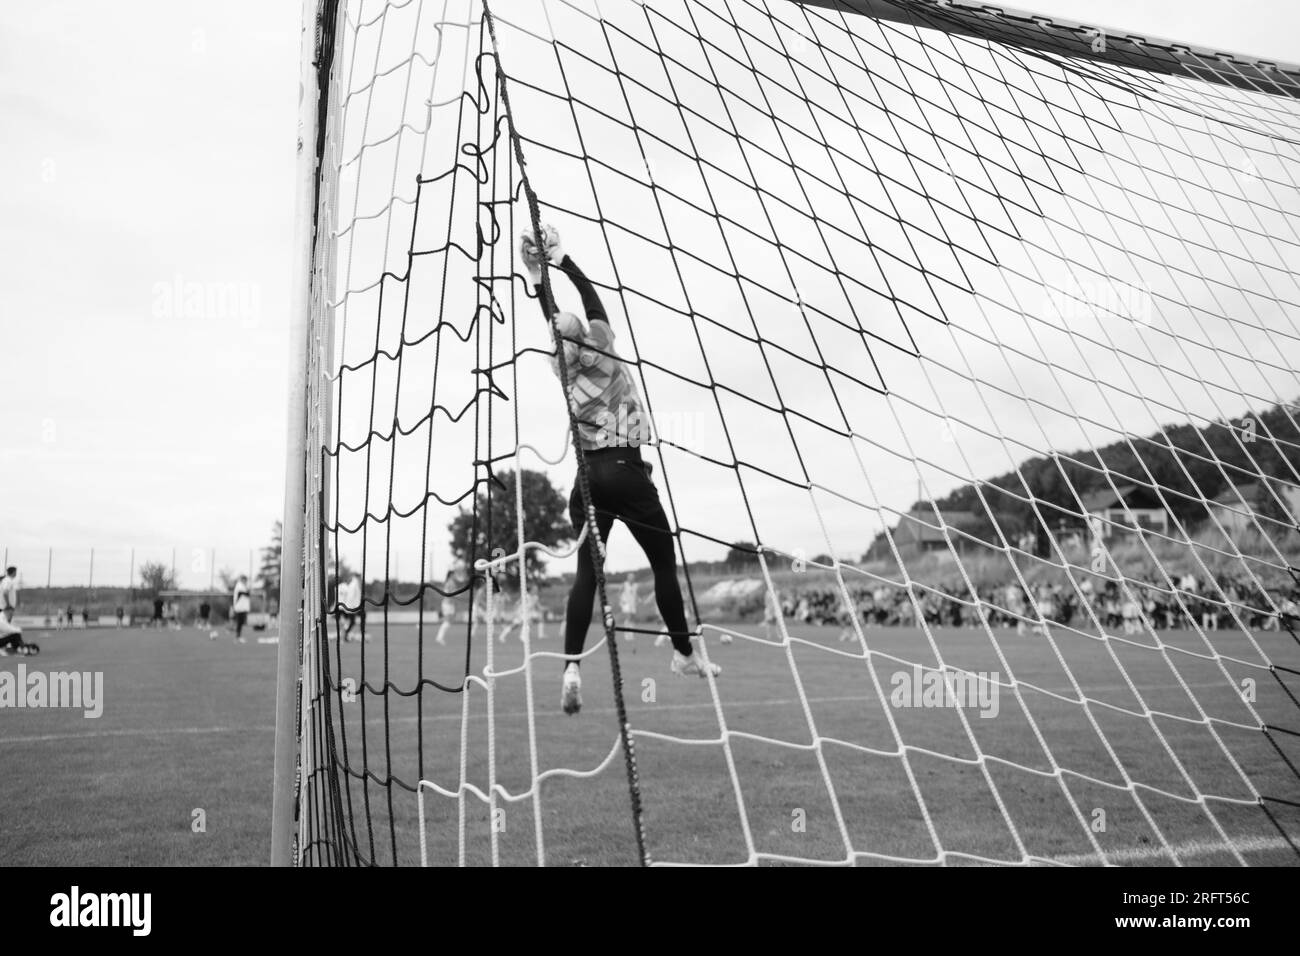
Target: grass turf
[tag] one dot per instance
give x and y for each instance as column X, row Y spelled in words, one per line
column 188, row 726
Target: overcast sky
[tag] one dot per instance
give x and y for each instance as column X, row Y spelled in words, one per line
column 146, row 222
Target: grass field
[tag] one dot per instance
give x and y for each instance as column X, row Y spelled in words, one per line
column 187, row 726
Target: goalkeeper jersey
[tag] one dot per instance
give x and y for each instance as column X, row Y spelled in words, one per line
column 603, row 395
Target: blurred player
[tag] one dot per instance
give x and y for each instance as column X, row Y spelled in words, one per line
column 241, row 602
column 862, row 610
column 1131, row 611
column 350, row 608
column 528, row 606
column 452, row 582
column 771, row 613
column 1015, row 604
column 9, row 594
column 629, row 598
column 478, row 608
column 504, row 612
column 536, row 612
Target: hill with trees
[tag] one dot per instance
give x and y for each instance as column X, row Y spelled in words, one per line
column 1191, row 465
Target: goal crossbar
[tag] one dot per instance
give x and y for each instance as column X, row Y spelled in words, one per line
column 1041, row 34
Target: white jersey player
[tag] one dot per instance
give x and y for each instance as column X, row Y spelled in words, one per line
column 629, row 598
column 771, row 614
column 9, row 594
column 447, row 612
column 507, row 611
column 350, row 607
column 528, row 605
column 454, row 580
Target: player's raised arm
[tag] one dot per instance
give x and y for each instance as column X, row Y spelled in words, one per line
column 553, row 252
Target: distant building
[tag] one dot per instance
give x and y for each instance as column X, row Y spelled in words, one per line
column 1123, row 510
column 919, row 530
column 1242, row 506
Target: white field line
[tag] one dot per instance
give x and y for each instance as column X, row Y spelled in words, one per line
column 137, row 732
column 452, row 717
column 1185, row 851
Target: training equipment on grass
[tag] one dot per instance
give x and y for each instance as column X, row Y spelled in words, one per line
column 968, row 336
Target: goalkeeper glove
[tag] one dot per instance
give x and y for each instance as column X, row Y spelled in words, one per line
column 551, row 245
column 529, row 254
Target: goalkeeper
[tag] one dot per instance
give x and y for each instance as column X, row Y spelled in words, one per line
column 612, row 425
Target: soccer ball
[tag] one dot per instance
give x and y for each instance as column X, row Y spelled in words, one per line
column 212, row 635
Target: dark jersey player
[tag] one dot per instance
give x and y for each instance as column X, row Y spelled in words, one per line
column 612, row 425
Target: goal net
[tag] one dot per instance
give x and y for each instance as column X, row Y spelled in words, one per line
column 968, row 343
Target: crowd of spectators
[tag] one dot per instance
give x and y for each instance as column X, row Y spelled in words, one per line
column 1131, row 604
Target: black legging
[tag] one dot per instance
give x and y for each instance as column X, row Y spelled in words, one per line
column 621, row 488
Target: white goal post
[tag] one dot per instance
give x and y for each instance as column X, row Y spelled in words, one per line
column 312, row 101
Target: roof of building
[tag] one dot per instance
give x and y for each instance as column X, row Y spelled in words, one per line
column 1250, row 492
column 918, row 526
column 1135, row 497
